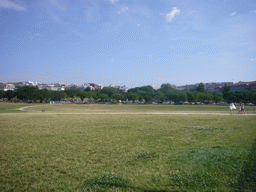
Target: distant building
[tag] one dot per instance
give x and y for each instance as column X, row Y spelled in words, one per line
column 100, row 86
column 209, row 87
column 253, row 86
column 73, row 86
column 94, row 85
column 250, row 86
column 86, row 85
column 154, row 87
column 124, row 88
column 7, row 86
column 183, row 87
column 52, row 88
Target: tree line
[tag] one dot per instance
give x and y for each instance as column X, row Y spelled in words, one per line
column 145, row 94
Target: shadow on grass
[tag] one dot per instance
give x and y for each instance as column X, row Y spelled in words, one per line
column 209, row 168
column 106, row 181
column 247, row 179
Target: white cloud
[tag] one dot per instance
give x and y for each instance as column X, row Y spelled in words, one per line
column 114, row 1
column 123, row 10
column 252, row 59
column 169, row 16
column 233, row 14
column 11, row 5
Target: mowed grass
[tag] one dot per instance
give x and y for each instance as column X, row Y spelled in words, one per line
column 6, row 107
column 124, row 108
column 104, row 152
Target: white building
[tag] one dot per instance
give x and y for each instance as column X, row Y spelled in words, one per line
column 7, row 86
column 154, row 87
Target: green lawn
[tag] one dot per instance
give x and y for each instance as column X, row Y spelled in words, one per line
column 104, row 152
column 113, row 108
column 12, row 107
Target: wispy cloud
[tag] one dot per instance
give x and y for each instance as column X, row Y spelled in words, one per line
column 233, row 14
column 11, row 5
column 169, row 16
column 114, row 1
column 123, row 10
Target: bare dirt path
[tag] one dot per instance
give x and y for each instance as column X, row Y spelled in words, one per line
column 22, row 108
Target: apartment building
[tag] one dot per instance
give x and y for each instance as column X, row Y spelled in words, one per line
column 209, row 87
column 124, row 88
column 250, row 86
column 7, row 86
column 240, row 86
column 253, row 86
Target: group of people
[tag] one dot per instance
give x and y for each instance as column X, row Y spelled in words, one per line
column 241, row 108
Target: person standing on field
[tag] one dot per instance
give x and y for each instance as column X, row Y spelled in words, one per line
column 232, row 106
column 242, row 108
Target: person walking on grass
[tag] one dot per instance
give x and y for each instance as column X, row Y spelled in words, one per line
column 232, row 106
column 242, row 108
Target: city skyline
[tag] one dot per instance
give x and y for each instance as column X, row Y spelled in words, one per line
column 132, row 43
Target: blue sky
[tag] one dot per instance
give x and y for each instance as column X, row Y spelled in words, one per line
column 128, row 42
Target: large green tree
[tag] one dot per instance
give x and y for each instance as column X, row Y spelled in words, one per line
column 72, row 92
column 243, row 96
column 109, row 91
column 166, row 88
column 132, row 97
column 177, row 97
column 43, row 94
column 103, row 97
column 159, row 96
column 217, row 96
column 117, row 96
column 2, row 94
column 58, row 95
column 147, row 97
column 82, row 95
column 201, row 88
column 27, row 93
column 208, row 96
column 191, row 96
column 9, row 94
column 201, row 96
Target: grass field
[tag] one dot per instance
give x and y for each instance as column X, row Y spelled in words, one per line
column 110, row 108
column 54, row 151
